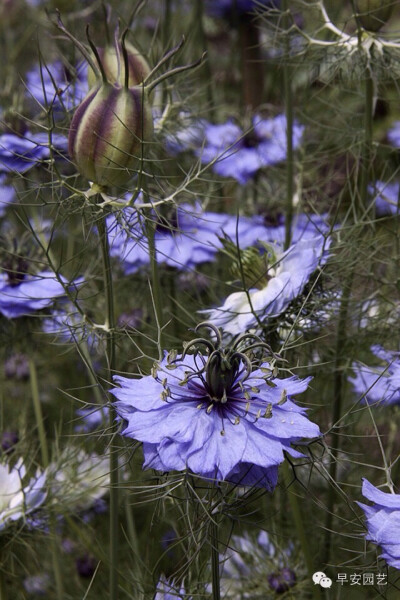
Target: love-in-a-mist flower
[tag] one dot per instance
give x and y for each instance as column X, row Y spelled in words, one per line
column 79, row 479
column 256, row 559
column 215, row 413
column 280, row 277
column 386, row 197
column 379, row 384
column 56, row 86
column 225, row 8
column 22, row 293
column 185, row 238
column 19, row 154
column 383, row 521
column 170, row 590
column 19, row 495
column 240, row 154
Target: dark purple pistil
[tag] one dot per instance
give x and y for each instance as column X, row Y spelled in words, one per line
column 16, row 269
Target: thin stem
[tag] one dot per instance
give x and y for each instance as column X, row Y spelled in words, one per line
column 289, row 132
column 110, row 341
column 216, row 591
column 338, row 385
column 44, row 450
column 37, row 407
column 367, row 146
column 300, row 530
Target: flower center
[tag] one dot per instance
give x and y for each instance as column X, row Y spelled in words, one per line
column 221, row 375
column 16, row 269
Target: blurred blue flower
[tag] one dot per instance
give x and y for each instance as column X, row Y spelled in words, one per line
column 386, row 197
column 22, row 293
column 393, row 135
column 37, row 585
column 7, row 195
column 214, row 415
column 287, row 274
column 383, row 521
column 91, row 418
column 240, row 154
column 19, row 154
column 190, row 237
column 380, row 384
column 224, row 8
column 169, row 590
column 68, row 325
column 55, row 86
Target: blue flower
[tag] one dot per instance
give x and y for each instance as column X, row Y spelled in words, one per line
column 91, row 418
column 19, row 154
column 287, row 275
column 241, row 154
column 383, row 521
column 37, row 585
column 169, row 590
column 386, row 197
column 68, row 326
column 224, row 8
column 54, row 86
column 379, row 384
column 215, row 415
column 7, row 195
column 393, row 134
column 22, row 294
column 191, row 237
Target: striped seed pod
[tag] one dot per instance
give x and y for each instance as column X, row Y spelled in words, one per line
column 113, row 65
column 107, row 133
column 373, row 14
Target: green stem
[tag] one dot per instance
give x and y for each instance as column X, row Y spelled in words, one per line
column 37, row 407
column 216, row 592
column 287, row 85
column 110, row 342
column 300, row 530
column 367, row 146
column 45, row 462
column 338, row 385
column 155, row 279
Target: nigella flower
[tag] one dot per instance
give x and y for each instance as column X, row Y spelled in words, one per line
column 37, row 585
column 19, row 496
column 91, row 418
column 281, row 277
column 383, row 521
column 67, row 325
column 393, row 135
column 55, row 86
column 380, row 384
column 7, row 195
column 240, row 154
column 386, row 197
column 22, row 293
column 169, row 590
column 78, row 480
column 215, row 414
column 225, row 8
column 188, row 237
column 257, row 560
column 19, row 154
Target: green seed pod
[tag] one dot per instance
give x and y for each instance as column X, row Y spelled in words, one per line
column 107, row 132
column 373, row 14
column 113, row 65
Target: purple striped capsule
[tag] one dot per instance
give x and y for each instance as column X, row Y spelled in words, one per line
column 108, row 133
column 111, row 58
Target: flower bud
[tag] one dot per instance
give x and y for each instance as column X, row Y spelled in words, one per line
column 373, row 14
column 107, row 132
column 113, row 65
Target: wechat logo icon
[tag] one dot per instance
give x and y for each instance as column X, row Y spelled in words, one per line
column 319, row 578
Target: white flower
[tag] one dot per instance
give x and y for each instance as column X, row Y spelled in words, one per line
column 79, row 479
column 17, row 500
